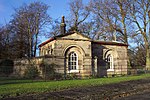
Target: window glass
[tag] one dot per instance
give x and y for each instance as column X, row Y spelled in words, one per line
column 72, row 61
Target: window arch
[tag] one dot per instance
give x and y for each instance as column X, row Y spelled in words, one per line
column 73, row 61
column 110, row 62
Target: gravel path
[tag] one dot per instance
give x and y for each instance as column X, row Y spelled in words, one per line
column 130, row 90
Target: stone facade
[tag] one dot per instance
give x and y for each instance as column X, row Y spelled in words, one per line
column 96, row 58
column 62, row 46
column 75, row 53
column 111, row 58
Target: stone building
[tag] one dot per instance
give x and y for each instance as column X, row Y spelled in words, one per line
column 76, row 53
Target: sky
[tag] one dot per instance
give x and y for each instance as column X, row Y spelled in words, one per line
column 57, row 8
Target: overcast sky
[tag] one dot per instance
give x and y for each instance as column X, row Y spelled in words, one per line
column 56, row 10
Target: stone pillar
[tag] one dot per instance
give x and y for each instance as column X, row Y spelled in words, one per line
column 95, row 66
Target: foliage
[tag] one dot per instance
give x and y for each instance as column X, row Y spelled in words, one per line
column 28, row 86
column 6, row 67
column 48, row 71
column 79, row 13
column 141, row 71
column 31, row 72
column 30, row 20
column 76, row 20
column 127, row 20
column 21, row 33
column 137, row 57
column 72, row 76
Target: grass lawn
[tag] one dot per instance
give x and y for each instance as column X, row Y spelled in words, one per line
column 18, row 87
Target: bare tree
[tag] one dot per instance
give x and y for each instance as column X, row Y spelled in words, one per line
column 55, row 28
column 75, row 21
column 79, row 13
column 111, row 15
column 5, row 42
column 31, row 20
column 139, row 10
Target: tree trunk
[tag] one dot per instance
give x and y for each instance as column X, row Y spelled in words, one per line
column 147, row 56
column 35, row 46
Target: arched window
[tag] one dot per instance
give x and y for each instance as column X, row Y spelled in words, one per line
column 50, row 51
column 73, row 61
column 110, row 62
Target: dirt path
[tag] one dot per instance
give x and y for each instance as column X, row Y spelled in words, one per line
column 140, row 96
column 120, row 91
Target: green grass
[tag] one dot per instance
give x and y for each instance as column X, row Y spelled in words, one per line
column 19, row 87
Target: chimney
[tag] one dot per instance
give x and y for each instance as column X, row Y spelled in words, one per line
column 63, row 25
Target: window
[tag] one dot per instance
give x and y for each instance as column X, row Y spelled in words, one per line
column 72, row 61
column 50, row 51
column 110, row 62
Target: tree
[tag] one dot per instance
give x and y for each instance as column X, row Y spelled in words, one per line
column 111, row 18
column 137, row 56
column 139, row 10
column 31, row 72
column 55, row 28
column 30, row 20
column 6, row 67
column 1, row 42
column 79, row 14
column 87, row 28
column 76, row 21
column 5, row 42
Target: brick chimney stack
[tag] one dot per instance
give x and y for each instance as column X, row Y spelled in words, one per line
column 63, row 25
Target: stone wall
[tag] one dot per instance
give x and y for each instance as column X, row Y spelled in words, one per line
column 59, row 56
column 82, row 48
column 92, row 56
column 119, row 54
column 61, row 48
column 20, row 65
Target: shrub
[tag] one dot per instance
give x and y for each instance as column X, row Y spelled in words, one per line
column 141, row 71
column 6, row 67
column 49, row 72
column 72, row 76
column 31, row 72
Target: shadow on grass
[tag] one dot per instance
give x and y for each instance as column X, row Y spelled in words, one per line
column 4, row 81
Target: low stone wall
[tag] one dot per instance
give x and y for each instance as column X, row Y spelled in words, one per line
column 20, row 65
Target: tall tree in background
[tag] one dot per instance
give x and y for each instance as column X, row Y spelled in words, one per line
column 30, row 20
column 111, row 16
column 126, row 17
column 139, row 10
column 75, row 20
column 79, row 13
column 137, row 52
column 1, row 42
column 5, row 41
column 55, row 28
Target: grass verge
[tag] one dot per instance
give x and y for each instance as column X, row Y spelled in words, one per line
column 24, row 87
